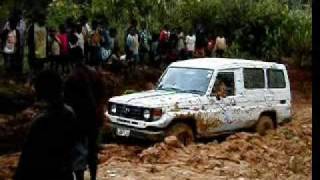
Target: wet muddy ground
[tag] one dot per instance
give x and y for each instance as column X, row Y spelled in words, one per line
column 282, row 154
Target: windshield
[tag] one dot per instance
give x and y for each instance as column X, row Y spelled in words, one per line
column 186, row 80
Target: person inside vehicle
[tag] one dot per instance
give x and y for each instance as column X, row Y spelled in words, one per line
column 220, row 89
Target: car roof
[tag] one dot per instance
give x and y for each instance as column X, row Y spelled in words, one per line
column 225, row 63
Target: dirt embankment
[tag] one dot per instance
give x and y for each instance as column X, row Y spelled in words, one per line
column 282, row 154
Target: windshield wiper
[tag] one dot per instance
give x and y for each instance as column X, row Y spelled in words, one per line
column 193, row 91
column 170, row 89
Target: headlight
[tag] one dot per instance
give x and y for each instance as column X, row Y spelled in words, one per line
column 114, row 108
column 156, row 113
column 146, row 114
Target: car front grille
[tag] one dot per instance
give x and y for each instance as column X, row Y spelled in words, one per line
column 129, row 112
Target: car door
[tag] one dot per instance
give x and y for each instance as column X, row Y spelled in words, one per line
column 224, row 111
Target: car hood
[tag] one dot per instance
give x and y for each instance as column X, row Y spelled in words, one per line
column 157, row 98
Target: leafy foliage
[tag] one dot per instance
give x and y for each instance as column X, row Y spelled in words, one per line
column 59, row 10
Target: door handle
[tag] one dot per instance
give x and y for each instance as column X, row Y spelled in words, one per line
column 283, row 101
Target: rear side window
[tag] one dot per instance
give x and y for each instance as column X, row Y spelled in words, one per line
column 253, row 78
column 276, row 78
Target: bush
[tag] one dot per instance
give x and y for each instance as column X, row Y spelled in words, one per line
column 59, row 10
column 298, row 36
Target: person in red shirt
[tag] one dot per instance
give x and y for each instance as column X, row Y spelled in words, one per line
column 164, row 34
column 64, row 48
column 163, row 41
column 210, row 46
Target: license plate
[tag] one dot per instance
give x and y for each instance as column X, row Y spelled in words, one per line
column 123, row 132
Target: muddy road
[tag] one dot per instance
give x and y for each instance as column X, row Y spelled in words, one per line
column 284, row 153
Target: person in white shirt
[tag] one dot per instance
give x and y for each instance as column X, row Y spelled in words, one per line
column 21, row 28
column 133, row 46
column 190, row 44
column 11, row 48
column 181, row 47
column 220, row 46
column 86, row 31
column 80, row 37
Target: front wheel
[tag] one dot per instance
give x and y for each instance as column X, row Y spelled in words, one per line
column 183, row 132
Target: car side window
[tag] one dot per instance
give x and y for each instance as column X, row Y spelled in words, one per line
column 253, row 78
column 276, row 78
column 224, row 85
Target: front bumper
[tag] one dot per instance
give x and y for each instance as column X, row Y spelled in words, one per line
column 145, row 134
column 163, row 122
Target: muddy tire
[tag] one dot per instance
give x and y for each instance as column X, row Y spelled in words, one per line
column 264, row 124
column 183, row 132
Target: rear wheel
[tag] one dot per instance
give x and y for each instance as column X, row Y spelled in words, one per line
column 264, row 124
column 183, row 132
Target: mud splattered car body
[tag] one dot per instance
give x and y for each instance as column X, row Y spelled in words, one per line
column 186, row 94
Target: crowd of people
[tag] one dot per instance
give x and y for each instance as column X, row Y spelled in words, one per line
column 97, row 44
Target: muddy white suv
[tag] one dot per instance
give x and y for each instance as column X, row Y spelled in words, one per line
column 203, row 98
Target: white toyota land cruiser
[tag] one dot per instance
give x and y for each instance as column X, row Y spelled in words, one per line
column 203, row 98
